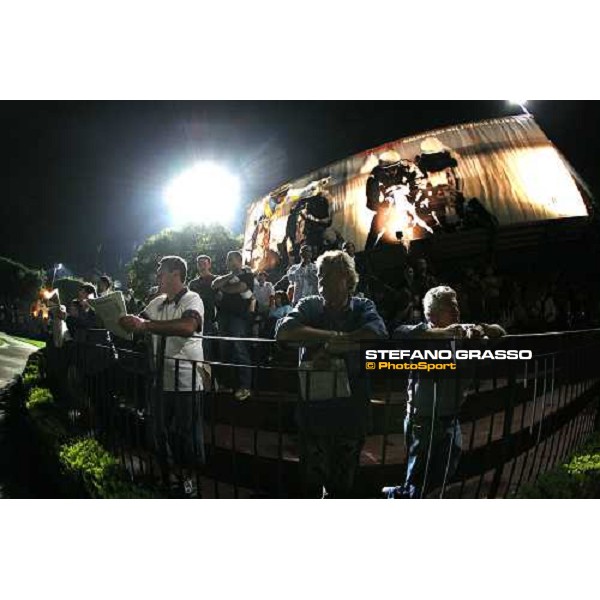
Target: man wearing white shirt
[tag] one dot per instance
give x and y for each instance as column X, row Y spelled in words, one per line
column 176, row 313
column 263, row 290
column 303, row 276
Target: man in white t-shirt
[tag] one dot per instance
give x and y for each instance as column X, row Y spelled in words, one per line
column 303, row 276
column 176, row 313
column 263, row 292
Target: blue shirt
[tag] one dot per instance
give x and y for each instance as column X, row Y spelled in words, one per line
column 340, row 414
column 424, row 392
column 278, row 312
column 304, row 278
column 360, row 313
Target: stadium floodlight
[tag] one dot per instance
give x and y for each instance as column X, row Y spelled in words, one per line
column 205, row 193
column 522, row 104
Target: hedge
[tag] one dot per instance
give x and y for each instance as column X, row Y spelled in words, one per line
column 87, row 468
column 579, row 477
column 99, row 471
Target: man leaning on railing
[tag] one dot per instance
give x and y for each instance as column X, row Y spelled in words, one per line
column 432, row 430
column 176, row 313
column 333, row 414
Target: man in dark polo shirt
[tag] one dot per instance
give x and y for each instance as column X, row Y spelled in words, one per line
column 202, row 285
column 234, row 317
column 432, row 430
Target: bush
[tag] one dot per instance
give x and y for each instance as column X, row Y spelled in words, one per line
column 39, row 398
column 579, row 477
column 78, row 467
column 31, row 375
column 189, row 242
column 100, row 472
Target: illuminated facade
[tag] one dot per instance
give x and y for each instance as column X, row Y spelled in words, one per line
column 492, row 173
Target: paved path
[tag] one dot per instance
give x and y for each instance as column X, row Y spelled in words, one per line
column 13, row 358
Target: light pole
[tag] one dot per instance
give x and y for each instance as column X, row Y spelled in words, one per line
column 57, row 267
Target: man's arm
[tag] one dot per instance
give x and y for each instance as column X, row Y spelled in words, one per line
column 183, row 327
column 234, row 288
column 220, row 282
column 372, row 327
column 295, row 326
column 292, row 274
column 189, row 323
column 451, row 331
column 246, row 282
column 433, row 333
column 282, row 284
column 493, row 331
column 305, row 333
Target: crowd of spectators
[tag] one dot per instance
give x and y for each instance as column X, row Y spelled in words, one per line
column 520, row 303
column 326, row 307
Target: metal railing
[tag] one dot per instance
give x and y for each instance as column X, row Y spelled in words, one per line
column 517, row 421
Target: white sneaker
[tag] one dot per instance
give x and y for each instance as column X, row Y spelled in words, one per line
column 189, row 489
column 242, row 394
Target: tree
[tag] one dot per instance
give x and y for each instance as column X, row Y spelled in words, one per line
column 19, row 283
column 67, row 288
column 214, row 240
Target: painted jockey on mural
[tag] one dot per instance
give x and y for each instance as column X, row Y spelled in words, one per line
column 413, row 198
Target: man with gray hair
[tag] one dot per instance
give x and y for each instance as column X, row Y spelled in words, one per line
column 333, row 424
column 431, row 427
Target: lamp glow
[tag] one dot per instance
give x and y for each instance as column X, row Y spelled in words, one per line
column 522, row 104
column 205, row 193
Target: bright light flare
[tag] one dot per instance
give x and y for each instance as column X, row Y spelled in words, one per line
column 522, row 104
column 205, row 193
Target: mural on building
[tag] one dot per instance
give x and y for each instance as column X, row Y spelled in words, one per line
column 486, row 174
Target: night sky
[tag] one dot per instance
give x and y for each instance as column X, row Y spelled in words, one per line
column 75, row 175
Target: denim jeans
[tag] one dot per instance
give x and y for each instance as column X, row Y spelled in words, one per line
column 209, row 346
column 236, row 326
column 179, row 429
column 433, row 453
